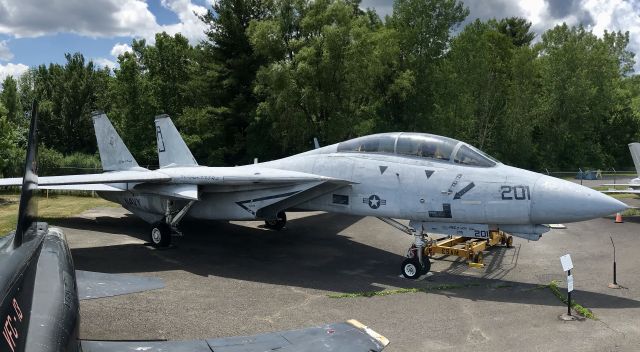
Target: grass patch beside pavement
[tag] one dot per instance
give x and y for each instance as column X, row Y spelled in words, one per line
column 442, row 287
column 585, row 312
column 54, row 207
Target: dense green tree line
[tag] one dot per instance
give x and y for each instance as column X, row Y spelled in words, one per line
column 272, row 75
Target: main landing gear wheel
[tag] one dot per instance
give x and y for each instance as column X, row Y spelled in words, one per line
column 277, row 223
column 411, row 268
column 478, row 258
column 160, row 235
column 509, row 243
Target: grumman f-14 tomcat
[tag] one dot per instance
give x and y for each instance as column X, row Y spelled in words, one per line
column 40, row 290
column 441, row 185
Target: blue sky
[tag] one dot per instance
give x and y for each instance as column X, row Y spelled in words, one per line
column 33, row 32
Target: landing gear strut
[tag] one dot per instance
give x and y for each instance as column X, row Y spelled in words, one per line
column 416, row 264
column 277, row 223
column 162, row 231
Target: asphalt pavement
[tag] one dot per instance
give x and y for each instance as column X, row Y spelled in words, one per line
column 238, row 278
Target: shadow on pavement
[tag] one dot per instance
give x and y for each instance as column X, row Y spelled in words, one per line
column 310, row 253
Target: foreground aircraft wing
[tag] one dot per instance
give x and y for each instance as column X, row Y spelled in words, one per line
column 350, row 336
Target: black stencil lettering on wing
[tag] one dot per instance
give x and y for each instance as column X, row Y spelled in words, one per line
column 445, row 213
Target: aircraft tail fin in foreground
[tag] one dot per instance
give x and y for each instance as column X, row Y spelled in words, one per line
column 114, row 154
column 27, row 213
column 172, row 150
column 635, row 154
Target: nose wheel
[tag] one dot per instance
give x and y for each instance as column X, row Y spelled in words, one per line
column 412, row 269
column 416, row 264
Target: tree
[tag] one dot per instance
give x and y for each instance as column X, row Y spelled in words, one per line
column 516, row 28
column 333, row 69
column 580, row 98
column 135, row 105
column 424, row 29
column 232, row 63
column 10, row 99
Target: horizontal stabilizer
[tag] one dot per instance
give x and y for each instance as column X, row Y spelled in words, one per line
column 93, row 285
column 351, row 336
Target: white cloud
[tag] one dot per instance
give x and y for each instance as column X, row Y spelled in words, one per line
column 97, row 18
column 120, row 49
column 5, row 53
column 14, row 70
column 102, row 62
column 190, row 25
column 597, row 15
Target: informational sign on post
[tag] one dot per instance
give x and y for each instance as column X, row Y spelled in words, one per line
column 567, row 265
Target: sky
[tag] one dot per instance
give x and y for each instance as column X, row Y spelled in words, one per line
column 33, row 32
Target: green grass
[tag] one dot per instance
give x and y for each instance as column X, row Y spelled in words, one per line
column 54, row 207
column 552, row 286
column 631, row 212
column 442, row 287
column 587, row 313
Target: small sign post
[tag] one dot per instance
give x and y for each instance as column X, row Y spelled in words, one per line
column 567, row 265
column 614, row 284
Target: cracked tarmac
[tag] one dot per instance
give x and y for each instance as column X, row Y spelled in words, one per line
column 227, row 279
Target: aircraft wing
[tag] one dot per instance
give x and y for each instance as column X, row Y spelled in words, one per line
column 350, row 336
column 621, row 185
column 619, row 191
column 210, row 176
column 103, row 178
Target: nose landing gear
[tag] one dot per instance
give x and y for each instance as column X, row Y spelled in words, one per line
column 411, row 267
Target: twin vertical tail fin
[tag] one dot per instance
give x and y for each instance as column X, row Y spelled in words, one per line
column 114, row 154
column 172, row 150
column 28, row 210
column 635, row 154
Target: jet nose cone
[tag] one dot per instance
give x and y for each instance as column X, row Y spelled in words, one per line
column 557, row 201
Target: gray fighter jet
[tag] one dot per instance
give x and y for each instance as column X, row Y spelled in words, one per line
column 439, row 184
column 40, row 290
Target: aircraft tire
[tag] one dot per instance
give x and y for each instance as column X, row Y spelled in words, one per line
column 411, row 268
column 509, row 243
column 160, row 235
column 278, row 223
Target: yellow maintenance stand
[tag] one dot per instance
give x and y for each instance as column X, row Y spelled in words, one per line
column 469, row 248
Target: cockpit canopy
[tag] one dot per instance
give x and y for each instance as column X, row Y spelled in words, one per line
column 419, row 145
